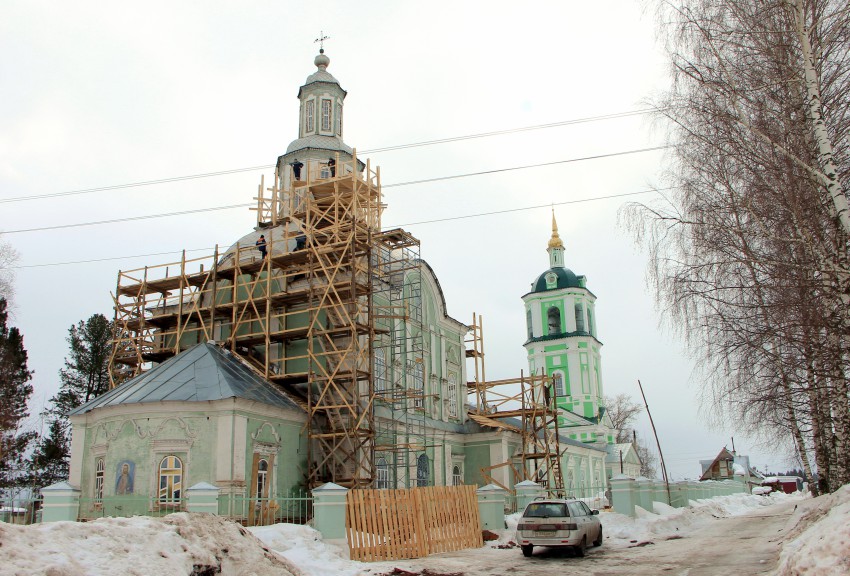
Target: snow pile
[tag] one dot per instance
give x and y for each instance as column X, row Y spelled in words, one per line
column 818, row 543
column 303, row 547
column 177, row 544
column 667, row 522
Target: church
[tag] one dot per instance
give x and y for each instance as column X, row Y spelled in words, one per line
column 318, row 348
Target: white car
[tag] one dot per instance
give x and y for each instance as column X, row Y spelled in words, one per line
column 558, row 523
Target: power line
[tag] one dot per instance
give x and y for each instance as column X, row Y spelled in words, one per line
column 448, row 219
column 128, row 219
column 372, row 151
column 509, row 210
column 497, row 170
column 412, row 182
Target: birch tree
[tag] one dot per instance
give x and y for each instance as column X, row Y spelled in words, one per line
column 749, row 253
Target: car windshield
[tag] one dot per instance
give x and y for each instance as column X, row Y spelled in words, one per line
column 545, row 510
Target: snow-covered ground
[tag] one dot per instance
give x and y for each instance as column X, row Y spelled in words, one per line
column 817, row 542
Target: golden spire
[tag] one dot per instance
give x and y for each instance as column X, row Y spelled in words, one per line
column 555, row 241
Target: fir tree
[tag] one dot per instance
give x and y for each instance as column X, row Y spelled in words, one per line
column 15, row 390
column 85, row 377
column 49, row 461
column 86, row 372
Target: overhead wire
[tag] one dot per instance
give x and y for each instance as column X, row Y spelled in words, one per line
column 436, row 220
column 409, row 183
column 611, row 116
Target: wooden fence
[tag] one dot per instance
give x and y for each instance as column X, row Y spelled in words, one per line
column 399, row 524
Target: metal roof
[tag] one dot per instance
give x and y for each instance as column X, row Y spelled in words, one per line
column 202, row 373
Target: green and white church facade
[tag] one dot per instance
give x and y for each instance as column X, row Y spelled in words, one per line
column 203, row 418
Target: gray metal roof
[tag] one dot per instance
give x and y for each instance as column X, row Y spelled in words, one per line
column 318, row 142
column 202, row 373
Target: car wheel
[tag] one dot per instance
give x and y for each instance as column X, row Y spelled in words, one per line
column 526, row 550
column 581, row 549
column 598, row 541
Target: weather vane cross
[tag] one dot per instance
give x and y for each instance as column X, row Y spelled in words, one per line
column 321, row 40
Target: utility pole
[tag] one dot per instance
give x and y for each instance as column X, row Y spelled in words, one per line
column 657, row 443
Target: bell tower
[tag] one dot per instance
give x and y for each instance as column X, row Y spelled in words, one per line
column 562, row 343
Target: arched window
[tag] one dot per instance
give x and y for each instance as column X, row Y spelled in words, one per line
column 98, row 479
column 554, row 317
column 382, row 474
column 457, row 479
column 579, row 308
column 422, row 473
column 590, row 328
column 380, row 371
column 529, row 324
column 263, row 478
column 558, row 383
column 170, row 480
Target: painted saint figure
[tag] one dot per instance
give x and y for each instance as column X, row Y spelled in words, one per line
column 124, row 481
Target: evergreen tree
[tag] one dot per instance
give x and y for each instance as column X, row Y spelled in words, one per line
column 86, row 372
column 49, row 461
column 85, row 376
column 15, row 390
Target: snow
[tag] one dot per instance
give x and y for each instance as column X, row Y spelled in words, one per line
column 817, row 541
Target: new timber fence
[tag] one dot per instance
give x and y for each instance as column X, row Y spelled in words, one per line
column 411, row 523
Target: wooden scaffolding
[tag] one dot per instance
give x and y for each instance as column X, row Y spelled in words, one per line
column 525, row 405
column 304, row 317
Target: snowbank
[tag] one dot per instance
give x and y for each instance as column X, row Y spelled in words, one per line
column 177, row 544
column 818, row 541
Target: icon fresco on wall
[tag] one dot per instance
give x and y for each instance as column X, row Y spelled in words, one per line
column 124, row 478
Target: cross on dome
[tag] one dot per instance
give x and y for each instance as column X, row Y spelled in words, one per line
column 321, row 40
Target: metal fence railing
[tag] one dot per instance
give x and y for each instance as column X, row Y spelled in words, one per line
column 294, row 508
column 125, row 506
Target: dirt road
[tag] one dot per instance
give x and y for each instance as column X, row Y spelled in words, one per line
column 740, row 545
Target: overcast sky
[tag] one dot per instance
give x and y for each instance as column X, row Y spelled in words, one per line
column 96, row 94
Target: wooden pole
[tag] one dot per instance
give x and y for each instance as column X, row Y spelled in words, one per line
column 657, row 443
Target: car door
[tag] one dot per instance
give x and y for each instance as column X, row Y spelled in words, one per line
column 579, row 518
column 594, row 525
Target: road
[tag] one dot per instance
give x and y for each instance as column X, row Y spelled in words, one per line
column 741, row 545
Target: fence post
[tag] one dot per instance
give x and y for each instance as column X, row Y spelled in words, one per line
column 623, row 494
column 203, row 497
column 61, row 503
column 527, row 491
column 329, row 510
column 491, row 507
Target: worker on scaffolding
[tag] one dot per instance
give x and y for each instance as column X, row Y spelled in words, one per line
column 332, row 166
column 296, row 169
column 261, row 245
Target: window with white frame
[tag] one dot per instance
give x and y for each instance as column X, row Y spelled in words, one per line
column 558, row 384
column 326, row 115
column 415, row 382
column 170, row 480
column 339, row 120
column 380, row 370
column 309, row 112
column 452, row 392
column 382, row 474
column 457, row 478
column 262, row 478
column 99, row 470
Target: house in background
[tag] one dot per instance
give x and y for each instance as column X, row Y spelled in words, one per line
column 728, row 465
